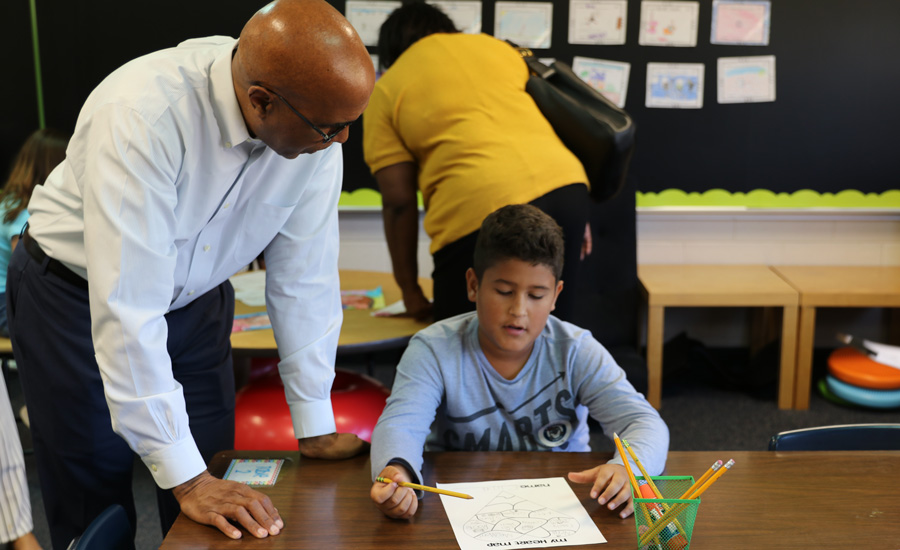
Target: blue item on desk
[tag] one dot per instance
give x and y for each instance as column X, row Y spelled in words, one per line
column 878, row 399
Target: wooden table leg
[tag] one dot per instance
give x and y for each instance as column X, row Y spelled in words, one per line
column 805, row 342
column 655, row 319
column 788, row 369
column 894, row 326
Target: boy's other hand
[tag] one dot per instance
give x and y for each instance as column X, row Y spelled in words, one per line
column 610, row 486
column 395, row 501
column 332, row 446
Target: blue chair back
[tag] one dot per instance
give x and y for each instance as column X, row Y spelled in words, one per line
column 846, row 437
column 111, row 530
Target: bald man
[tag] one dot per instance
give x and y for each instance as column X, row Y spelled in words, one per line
column 184, row 166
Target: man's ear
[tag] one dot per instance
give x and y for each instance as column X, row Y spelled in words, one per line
column 471, row 284
column 260, row 100
column 559, row 287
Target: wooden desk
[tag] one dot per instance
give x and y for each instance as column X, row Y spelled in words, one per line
column 716, row 286
column 360, row 332
column 769, row 500
column 834, row 286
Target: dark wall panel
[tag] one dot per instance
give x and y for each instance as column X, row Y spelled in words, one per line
column 833, row 126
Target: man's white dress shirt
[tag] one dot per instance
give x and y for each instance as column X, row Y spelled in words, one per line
column 163, row 196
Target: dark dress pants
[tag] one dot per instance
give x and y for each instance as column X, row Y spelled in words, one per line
column 82, row 464
column 569, row 206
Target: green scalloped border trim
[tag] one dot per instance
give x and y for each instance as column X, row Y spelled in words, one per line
column 759, row 198
column 365, row 198
column 763, row 198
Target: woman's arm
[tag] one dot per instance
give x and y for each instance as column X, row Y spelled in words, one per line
column 398, row 184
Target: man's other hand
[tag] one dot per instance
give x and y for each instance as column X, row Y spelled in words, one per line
column 332, row 446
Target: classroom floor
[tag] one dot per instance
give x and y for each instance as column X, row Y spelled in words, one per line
column 712, row 400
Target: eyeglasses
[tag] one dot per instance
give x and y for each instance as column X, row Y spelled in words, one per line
column 338, row 128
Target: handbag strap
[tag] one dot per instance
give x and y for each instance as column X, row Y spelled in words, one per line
column 533, row 63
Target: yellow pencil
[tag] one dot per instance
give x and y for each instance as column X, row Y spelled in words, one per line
column 423, row 487
column 635, row 488
column 652, row 485
column 631, row 478
column 710, row 481
column 712, row 469
column 641, row 468
column 677, row 509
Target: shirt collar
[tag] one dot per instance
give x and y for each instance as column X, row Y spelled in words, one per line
column 225, row 105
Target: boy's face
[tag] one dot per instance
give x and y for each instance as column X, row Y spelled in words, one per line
column 513, row 302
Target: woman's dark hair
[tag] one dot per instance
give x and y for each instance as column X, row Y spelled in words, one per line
column 39, row 155
column 413, row 20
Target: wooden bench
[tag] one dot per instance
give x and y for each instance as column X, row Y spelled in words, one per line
column 717, row 286
column 833, row 286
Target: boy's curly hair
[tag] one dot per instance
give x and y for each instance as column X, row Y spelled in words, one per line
column 519, row 232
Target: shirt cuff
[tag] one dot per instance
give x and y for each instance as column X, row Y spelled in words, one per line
column 312, row 418
column 176, row 464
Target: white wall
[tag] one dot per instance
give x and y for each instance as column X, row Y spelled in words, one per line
column 672, row 236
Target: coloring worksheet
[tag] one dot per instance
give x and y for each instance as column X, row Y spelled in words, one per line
column 518, row 513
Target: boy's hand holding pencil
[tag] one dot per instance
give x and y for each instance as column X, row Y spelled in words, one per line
column 392, row 499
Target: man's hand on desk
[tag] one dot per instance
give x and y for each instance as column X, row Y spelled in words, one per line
column 395, row 501
column 332, row 446
column 610, row 486
column 212, row 501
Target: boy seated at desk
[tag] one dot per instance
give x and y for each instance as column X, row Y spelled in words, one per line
column 510, row 377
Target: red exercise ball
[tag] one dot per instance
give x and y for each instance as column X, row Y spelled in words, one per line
column 263, row 420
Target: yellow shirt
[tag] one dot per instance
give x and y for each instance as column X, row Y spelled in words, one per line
column 456, row 106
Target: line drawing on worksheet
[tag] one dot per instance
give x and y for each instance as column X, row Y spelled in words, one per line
column 525, row 513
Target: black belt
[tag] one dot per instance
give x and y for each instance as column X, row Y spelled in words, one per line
column 53, row 266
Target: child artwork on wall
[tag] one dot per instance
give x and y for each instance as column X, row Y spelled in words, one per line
column 675, row 85
column 741, row 22
column 669, row 23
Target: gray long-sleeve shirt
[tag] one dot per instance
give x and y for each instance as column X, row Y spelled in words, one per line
column 447, row 396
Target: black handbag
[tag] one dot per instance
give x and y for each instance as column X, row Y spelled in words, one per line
column 597, row 131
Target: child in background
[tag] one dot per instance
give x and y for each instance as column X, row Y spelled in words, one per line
column 511, row 377
column 40, row 153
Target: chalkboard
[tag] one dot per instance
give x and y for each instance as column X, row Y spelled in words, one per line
column 831, row 129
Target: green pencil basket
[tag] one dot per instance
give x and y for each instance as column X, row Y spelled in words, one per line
column 678, row 525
